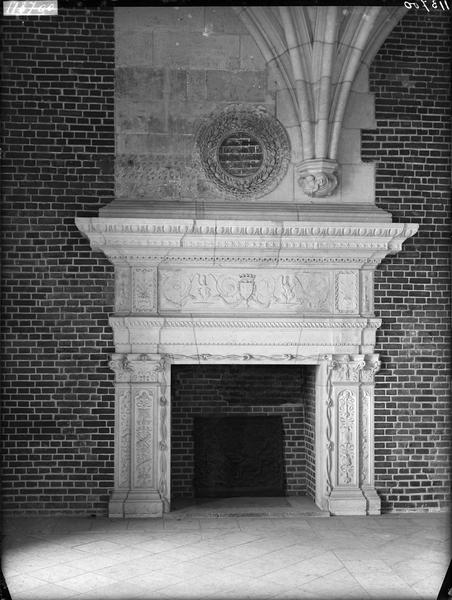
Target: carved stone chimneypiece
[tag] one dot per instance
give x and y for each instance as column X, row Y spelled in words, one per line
column 212, row 291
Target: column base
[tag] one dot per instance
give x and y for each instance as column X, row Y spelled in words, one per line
column 347, row 501
column 373, row 500
column 116, row 504
column 143, row 504
column 131, row 504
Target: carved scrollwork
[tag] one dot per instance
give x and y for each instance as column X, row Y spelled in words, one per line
column 256, row 122
column 138, row 369
column 371, row 367
column 124, row 437
column 144, row 289
column 144, row 400
column 364, row 430
column 346, row 414
column 291, row 291
column 347, row 369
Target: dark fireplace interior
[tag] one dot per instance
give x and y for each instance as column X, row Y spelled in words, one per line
column 242, row 430
column 238, row 456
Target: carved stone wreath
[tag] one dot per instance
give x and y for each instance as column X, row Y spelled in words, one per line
column 256, row 122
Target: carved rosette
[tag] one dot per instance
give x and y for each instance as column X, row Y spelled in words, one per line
column 144, row 406
column 318, row 177
column 124, row 412
column 256, row 122
column 346, row 400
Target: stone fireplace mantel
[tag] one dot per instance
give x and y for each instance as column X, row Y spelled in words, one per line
column 229, row 291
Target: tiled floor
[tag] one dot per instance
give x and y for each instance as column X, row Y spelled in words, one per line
column 390, row 557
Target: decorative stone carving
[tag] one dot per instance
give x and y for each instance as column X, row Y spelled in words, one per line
column 122, row 289
column 371, row 367
column 315, row 53
column 347, row 369
column 163, row 443
column 256, row 122
column 329, row 444
column 308, row 291
column 252, row 267
column 346, row 416
column 367, row 282
column 346, row 292
column 144, row 402
column 123, row 401
column 137, row 369
column 318, row 177
column 364, row 435
column 243, row 243
column 144, row 289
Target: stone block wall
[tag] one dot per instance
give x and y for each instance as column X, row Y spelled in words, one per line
column 174, row 67
column 232, row 390
column 410, row 77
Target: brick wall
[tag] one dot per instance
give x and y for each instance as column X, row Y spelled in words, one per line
column 411, row 80
column 229, row 390
column 240, row 155
column 57, row 410
column 58, row 156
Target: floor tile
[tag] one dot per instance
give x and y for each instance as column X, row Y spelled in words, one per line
column 56, row 573
column 342, row 558
column 86, row 582
column 49, row 591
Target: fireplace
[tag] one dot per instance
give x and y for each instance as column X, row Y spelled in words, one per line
column 263, row 293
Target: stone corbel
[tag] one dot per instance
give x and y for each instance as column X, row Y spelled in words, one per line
column 317, row 177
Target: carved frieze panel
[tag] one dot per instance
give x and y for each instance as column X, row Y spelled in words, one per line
column 144, row 289
column 253, row 290
column 144, row 437
column 346, row 295
column 123, row 449
column 346, row 407
column 122, row 289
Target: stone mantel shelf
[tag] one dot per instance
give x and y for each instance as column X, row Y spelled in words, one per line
column 156, row 241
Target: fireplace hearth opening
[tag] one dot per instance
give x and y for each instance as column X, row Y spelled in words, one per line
column 242, row 431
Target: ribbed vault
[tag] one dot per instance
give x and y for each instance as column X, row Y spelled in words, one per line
column 315, row 53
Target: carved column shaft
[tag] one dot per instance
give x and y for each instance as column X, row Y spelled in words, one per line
column 141, row 444
column 350, row 444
